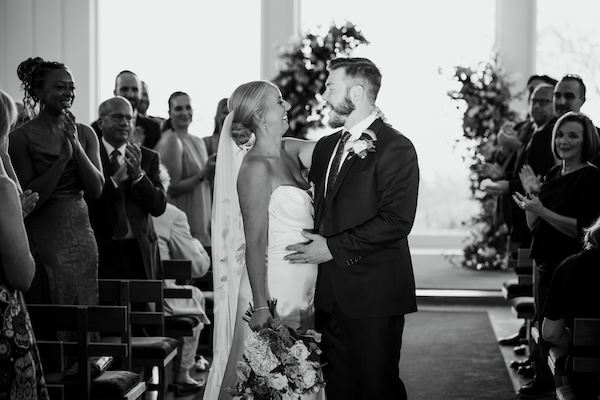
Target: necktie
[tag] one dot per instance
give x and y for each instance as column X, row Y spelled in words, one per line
column 335, row 164
column 120, row 228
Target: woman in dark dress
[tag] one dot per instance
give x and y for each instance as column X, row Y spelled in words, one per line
column 574, row 294
column 557, row 211
column 21, row 375
column 59, row 159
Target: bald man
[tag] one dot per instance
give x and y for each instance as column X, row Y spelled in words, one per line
column 127, row 242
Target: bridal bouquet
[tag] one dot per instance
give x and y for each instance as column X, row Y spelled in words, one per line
column 278, row 364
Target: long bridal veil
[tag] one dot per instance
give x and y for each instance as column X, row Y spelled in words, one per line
column 228, row 253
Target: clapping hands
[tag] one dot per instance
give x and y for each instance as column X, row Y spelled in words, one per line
column 507, row 137
column 532, row 183
column 68, row 126
column 29, row 199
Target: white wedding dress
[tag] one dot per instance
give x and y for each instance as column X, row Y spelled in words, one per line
column 293, row 285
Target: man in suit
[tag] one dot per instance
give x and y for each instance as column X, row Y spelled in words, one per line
column 365, row 204
column 146, row 130
column 127, row 242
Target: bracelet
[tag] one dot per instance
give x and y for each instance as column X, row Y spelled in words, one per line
column 260, row 308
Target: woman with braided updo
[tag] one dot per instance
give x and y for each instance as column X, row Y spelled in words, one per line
column 59, row 159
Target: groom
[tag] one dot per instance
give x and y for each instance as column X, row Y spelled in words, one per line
column 366, row 185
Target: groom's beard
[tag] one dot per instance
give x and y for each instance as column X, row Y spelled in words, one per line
column 339, row 114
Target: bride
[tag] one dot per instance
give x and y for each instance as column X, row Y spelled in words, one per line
column 253, row 222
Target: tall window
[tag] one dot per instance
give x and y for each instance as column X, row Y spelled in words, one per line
column 568, row 42
column 201, row 48
column 411, row 42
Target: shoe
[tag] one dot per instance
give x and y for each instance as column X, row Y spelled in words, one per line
column 512, row 340
column 202, row 364
column 535, row 389
column 186, row 389
column 189, row 386
column 515, row 364
column 520, row 350
column 527, row 371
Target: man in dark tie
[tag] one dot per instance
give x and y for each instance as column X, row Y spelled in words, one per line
column 366, row 180
column 127, row 242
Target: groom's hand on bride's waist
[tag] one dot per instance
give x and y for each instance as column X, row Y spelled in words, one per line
column 315, row 251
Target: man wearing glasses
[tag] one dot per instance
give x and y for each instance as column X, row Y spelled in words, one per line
column 146, row 130
column 127, row 242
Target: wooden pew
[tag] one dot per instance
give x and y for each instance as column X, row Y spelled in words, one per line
column 180, row 270
column 83, row 320
column 586, row 334
column 146, row 351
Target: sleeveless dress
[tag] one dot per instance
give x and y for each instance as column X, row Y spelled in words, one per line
column 293, row 285
column 61, row 238
column 197, row 203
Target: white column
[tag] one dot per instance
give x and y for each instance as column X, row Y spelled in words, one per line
column 56, row 30
column 516, row 41
column 280, row 22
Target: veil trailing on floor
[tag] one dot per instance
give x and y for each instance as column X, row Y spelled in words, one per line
column 228, row 252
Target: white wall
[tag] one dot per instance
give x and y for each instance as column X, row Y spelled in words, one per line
column 56, row 30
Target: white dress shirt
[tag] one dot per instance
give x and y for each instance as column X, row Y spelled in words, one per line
column 355, row 133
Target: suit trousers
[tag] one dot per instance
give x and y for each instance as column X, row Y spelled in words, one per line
column 123, row 260
column 362, row 355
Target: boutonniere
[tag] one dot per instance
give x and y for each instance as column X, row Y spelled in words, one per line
column 364, row 145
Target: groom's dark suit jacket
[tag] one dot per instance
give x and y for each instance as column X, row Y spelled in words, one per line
column 366, row 220
column 147, row 197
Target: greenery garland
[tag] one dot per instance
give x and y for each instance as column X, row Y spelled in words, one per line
column 486, row 91
column 302, row 73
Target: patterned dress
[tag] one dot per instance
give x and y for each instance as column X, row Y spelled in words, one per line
column 21, row 375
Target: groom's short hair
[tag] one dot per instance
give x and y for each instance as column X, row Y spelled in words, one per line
column 362, row 70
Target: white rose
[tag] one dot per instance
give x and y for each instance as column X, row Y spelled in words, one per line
column 299, row 351
column 277, row 381
column 259, row 355
column 309, row 375
column 243, row 371
column 360, row 145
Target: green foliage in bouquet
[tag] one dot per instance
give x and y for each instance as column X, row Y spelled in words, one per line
column 486, row 92
column 302, row 72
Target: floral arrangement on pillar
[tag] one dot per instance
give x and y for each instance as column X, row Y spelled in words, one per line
column 302, row 73
column 486, row 91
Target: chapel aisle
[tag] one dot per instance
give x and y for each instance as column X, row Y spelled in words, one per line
column 450, row 351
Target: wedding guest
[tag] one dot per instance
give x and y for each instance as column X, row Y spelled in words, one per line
column 176, row 242
column 185, row 157
column 58, row 158
column 557, row 209
column 574, row 294
column 146, row 131
column 537, row 153
column 569, row 94
column 212, row 142
column 124, row 231
column 20, row 365
column 144, row 104
column 8, row 119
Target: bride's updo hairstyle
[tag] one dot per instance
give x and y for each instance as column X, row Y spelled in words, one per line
column 245, row 101
column 33, row 73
